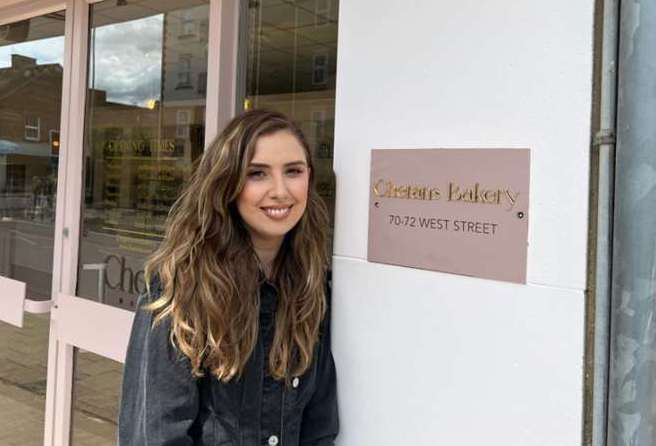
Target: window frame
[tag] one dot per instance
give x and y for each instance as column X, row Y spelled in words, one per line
column 182, row 125
column 184, row 71
column 29, row 127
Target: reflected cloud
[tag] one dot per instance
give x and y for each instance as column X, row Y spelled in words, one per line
column 128, row 60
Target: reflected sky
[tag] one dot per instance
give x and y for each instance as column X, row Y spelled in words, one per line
column 45, row 51
column 127, row 62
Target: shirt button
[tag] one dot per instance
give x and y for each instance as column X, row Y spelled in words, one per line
column 295, row 382
column 273, row 440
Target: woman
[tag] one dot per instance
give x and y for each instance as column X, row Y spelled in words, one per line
column 230, row 343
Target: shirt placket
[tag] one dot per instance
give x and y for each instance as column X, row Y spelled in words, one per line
column 272, row 389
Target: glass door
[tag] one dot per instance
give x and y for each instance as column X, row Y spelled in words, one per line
column 31, row 88
column 146, row 102
column 144, row 127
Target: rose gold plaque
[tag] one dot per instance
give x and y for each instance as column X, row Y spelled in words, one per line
column 462, row 211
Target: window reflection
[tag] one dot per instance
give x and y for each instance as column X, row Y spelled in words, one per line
column 31, row 74
column 145, row 125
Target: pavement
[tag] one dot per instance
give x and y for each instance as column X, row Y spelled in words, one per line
column 23, row 359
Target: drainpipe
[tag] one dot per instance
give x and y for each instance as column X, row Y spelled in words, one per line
column 632, row 373
column 605, row 143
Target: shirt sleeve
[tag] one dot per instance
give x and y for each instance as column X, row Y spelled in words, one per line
column 160, row 396
column 320, row 424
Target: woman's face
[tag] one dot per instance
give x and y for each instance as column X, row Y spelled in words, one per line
column 275, row 193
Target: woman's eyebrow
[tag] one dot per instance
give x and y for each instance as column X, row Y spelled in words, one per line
column 296, row 163
column 266, row 166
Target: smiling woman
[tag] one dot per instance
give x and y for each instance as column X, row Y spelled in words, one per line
column 275, row 192
column 238, row 302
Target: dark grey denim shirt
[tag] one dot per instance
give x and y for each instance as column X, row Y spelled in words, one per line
column 162, row 404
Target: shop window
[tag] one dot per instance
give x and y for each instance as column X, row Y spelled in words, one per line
column 32, row 128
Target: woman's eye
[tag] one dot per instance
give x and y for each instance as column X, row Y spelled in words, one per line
column 256, row 174
column 294, row 171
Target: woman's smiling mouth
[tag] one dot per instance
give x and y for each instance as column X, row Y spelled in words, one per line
column 277, row 212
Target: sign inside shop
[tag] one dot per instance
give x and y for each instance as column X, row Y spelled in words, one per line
column 123, row 278
column 138, row 147
column 462, row 211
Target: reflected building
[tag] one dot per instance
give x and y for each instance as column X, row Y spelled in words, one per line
column 184, row 79
column 30, row 103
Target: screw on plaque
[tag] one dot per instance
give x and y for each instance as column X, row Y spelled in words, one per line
column 377, row 204
column 520, row 215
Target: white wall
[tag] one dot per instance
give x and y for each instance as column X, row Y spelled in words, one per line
column 426, row 358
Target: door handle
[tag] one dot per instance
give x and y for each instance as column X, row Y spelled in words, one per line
column 37, row 306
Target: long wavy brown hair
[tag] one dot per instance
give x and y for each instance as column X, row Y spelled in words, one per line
column 209, row 273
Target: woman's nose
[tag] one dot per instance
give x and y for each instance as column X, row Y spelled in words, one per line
column 279, row 186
